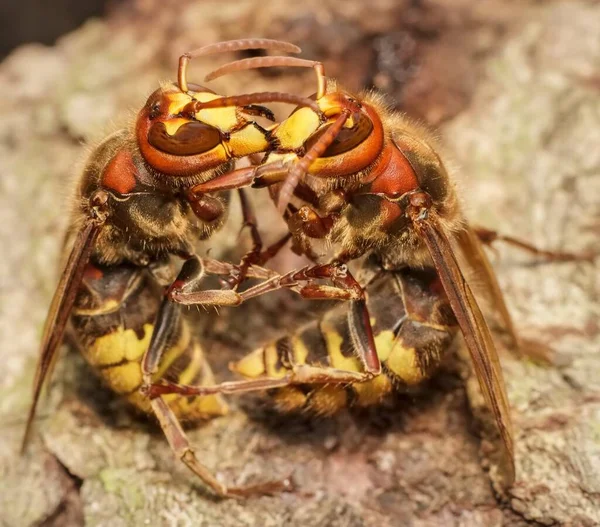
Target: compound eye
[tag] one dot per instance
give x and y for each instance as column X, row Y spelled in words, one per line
column 189, row 139
column 347, row 139
column 154, row 111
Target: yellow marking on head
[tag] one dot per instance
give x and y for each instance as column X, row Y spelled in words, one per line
column 222, row 118
column 292, row 132
column 403, row 362
column 121, row 344
column 124, row 378
column 251, row 366
column 248, row 140
column 172, row 125
column 177, row 101
column 333, row 341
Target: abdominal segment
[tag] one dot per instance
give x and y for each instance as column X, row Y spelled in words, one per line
column 413, row 327
column 113, row 320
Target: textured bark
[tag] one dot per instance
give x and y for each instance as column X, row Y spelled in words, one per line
column 513, row 89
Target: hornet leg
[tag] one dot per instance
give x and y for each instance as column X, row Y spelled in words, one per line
column 190, row 275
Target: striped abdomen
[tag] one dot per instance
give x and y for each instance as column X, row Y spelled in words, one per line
column 113, row 320
column 413, row 326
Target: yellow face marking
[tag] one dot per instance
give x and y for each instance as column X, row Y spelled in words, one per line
column 172, row 125
column 248, row 140
column 251, row 366
column 292, row 132
column 222, row 118
column 403, row 362
column 177, row 101
column 121, row 344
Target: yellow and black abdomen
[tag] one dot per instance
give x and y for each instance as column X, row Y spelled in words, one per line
column 413, row 326
column 113, row 319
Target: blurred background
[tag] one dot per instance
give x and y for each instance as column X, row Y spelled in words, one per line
column 41, row 21
column 512, row 90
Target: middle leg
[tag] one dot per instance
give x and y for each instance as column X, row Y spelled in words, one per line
column 345, row 287
column 167, row 319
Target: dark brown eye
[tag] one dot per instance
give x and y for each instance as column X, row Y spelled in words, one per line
column 347, row 139
column 190, row 139
column 154, row 111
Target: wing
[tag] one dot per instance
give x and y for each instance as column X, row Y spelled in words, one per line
column 477, row 259
column 475, row 330
column 60, row 309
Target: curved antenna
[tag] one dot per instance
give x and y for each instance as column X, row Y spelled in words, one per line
column 270, row 62
column 227, row 46
column 301, row 167
column 253, row 98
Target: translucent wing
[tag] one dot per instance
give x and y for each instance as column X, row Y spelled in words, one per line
column 60, row 309
column 475, row 330
column 475, row 256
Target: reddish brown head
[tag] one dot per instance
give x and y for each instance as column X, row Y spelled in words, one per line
column 185, row 129
column 349, row 140
column 177, row 142
column 357, row 144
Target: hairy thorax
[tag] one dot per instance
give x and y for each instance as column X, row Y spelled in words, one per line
column 149, row 216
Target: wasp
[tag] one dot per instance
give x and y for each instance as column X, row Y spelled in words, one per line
column 359, row 181
column 135, row 211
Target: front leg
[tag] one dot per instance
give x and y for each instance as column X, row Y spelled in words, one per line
column 305, row 225
column 345, row 287
column 169, row 312
column 256, row 256
column 299, row 374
